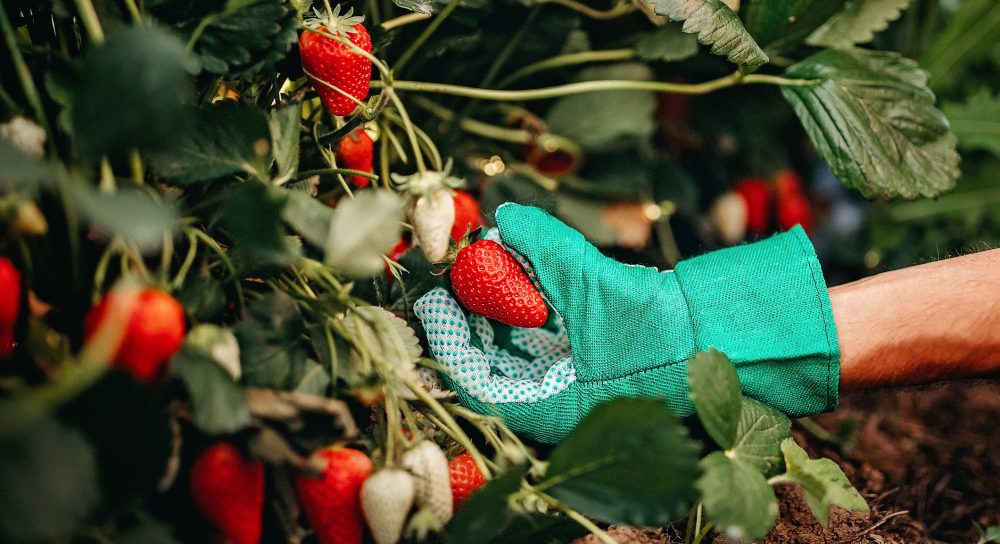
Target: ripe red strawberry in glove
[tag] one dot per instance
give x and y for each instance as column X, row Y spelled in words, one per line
column 757, row 195
column 465, row 478
column 229, row 490
column 488, row 281
column 10, row 304
column 354, row 151
column 332, row 503
column 154, row 332
column 332, row 65
column 468, row 216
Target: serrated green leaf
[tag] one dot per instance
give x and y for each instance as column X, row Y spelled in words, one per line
column 716, row 25
column 131, row 93
column 363, row 229
column 602, row 120
column 630, row 461
column 315, row 381
column 219, row 403
column 486, row 513
column 781, row 25
column 285, row 126
column 251, row 215
column 715, row 392
column 977, row 122
column 822, row 481
column 857, row 22
column 308, row 217
column 758, row 436
column 872, row 118
column 737, row 498
column 130, row 213
column 667, row 43
column 969, row 38
column 227, row 138
column 272, row 353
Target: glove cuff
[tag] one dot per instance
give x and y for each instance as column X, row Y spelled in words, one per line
column 766, row 306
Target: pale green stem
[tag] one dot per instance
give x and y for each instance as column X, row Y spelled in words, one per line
column 331, row 171
column 623, row 7
column 403, row 20
column 415, row 46
column 27, row 82
column 410, row 133
column 88, row 15
column 577, row 517
column 133, row 10
column 570, row 59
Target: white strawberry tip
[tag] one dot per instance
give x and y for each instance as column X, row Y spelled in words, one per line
column 333, row 22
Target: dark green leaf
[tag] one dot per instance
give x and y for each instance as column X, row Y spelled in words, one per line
column 486, row 513
column 969, row 38
column 857, row 22
column 758, row 436
column 737, row 498
column 130, row 94
column 227, row 138
column 284, row 123
column 667, row 43
column 977, row 122
column 147, row 532
column 872, row 118
column 272, row 353
column 419, row 276
column 252, row 216
column 315, row 381
column 23, row 172
column 50, row 483
column 781, row 25
column 219, row 403
column 716, row 25
column 202, row 296
column 308, row 217
column 715, row 392
column 363, row 229
column 629, row 461
column 130, row 213
column 597, row 121
column 540, row 529
column 991, row 534
column 822, row 481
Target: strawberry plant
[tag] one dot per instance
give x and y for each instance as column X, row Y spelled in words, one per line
column 218, row 216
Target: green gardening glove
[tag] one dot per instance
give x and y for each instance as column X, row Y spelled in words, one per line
column 629, row 331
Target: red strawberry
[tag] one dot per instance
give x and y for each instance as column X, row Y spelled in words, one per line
column 354, row 151
column 228, row 488
column 795, row 210
column 332, row 503
column 331, row 65
column 467, row 215
column 488, row 281
column 555, row 162
column 757, row 194
column 10, row 304
column 154, row 332
column 787, row 183
column 465, row 478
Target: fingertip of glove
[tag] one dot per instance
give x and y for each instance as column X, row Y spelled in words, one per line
column 424, row 303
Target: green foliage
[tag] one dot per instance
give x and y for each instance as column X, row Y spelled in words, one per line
column 629, row 461
column 137, row 216
column 220, row 405
column 21, row 172
column 976, row 123
column 284, row 123
column 872, row 118
column 969, row 39
column 271, row 351
column 759, row 434
column 251, row 215
column 716, row 25
column 737, row 498
column 715, row 392
column 486, row 513
column 781, row 25
column 822, row 481
column 361, row 231
column 667, row 43
column 857, row 22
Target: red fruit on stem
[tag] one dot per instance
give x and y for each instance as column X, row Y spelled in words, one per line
column 555, row 162
column 787, row 183
column 332, row 65
column 488, row 281
column 795, row 210
column 468, row 217
column 154, row 332
column 332, row 503
column 228, row 489
column 355, row 151
column 465, row 478
column 757, row 194
column 10, row 304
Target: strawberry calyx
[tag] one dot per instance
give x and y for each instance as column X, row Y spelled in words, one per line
column 428, row 182
column 333, row 22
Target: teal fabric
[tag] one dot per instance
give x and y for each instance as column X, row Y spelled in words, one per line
column 629, row 330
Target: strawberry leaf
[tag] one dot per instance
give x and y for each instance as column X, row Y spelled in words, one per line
column 667, row 43
column 716, row 25
column 977, row 122
column 822, row 481
column 219, row 403
column 715, row 392
column 759, row 433
column 486, row 512
column 362, row 230
column 781, row 25
column 737, row 498
column 857, row 22
column 285, row 124
column 872, row 118
column 969, row 38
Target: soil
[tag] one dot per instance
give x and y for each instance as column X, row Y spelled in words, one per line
column 927, row 461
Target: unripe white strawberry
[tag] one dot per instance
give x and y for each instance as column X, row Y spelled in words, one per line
column 386, row 498
column 429, row 467
column 729, row 215
column 432, row 216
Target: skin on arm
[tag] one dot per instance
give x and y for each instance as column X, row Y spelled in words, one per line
column 927, row 323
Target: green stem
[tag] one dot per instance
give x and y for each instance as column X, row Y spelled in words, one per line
column 415, row 46
column 333, row 171
column 23, row 74
column 623, row 7
column 403, row 20
column 486, row 130
column 577, row 517
column 410, row 133
column 133, row 10
column 570, row 59
column 88, row 15
column 703, row 533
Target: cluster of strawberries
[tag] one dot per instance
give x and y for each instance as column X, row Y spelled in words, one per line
column 756, row 207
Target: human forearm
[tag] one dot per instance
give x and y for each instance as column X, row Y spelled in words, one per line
column 921, row 324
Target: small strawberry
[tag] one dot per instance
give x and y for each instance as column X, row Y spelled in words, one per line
column 332, row 503
column 429, row 467
column 229, row 490
column 354, row 151
column 551, row 160
column 488, row 281
column 729, row 214
column 757, row 195
column 10, row 304
column 465, row 478
column 787, row 183
column 795, row 210
column 154, row 332
column 432, row 217
column 332, row 65
column 468, row 216
column 386, row 498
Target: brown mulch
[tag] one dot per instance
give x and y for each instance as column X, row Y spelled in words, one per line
column 927, row 461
